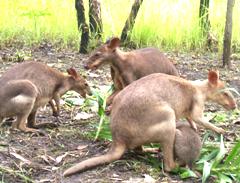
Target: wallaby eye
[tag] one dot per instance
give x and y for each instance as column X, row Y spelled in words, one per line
column 225, row 94
column 86, row 84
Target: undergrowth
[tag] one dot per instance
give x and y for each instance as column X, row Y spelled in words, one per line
column 168, row 24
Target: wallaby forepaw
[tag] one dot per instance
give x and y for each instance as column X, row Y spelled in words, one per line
column 221, row 131
column 194, row 126
column 108, row 110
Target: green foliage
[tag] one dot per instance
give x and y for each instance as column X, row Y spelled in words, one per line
column 17, row 173
column 103, row 125
column 225, row 168
column 170, row 24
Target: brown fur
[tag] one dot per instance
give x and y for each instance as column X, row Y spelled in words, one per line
column 127, row 67
column 146, row 111
column 27, row 86
column 187, row 145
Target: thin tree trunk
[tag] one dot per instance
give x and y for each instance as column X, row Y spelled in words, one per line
column 82, row 26
column 228, row 34
column 95, row 19
column 204, row 16
column 130, row 21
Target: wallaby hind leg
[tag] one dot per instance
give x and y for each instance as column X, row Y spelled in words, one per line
column 166, row 131
column 168, row 147
column 168, row 157
column 22, row 124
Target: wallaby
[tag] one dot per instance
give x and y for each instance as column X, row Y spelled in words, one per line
column 146, row 111
column 187, row 145
column 27, row 86
column 127, row 67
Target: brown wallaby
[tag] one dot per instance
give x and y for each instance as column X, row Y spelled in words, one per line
column 146, row 111
column 187, row 145
column 127, row 67
column 27, row 86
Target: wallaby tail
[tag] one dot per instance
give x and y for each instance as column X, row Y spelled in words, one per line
column 115, row 153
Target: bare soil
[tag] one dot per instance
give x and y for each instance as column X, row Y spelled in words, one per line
column 26, row 156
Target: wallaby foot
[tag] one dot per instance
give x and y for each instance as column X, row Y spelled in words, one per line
column 29, row 130
column 169, row 167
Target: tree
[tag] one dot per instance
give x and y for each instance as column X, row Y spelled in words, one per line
column 95, row 20
column 130, row 21
column 204, row 16
column 82, row 26
column 228, row 35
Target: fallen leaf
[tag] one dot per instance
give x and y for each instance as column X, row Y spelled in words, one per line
column 93, row 75
column 81, row 147
column 148, row 179
column 45, row 180
column 60, row 158
column 83, row 115
column 18, row 156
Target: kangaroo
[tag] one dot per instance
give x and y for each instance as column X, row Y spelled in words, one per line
column 27, row 86
column 146, row 111
column 187, row 145
column 127, row 67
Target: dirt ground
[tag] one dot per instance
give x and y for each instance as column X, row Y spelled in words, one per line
column 44, row 158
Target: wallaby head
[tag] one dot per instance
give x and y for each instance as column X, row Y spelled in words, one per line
column 103, row 54
column 78, row 83
column 218, row 93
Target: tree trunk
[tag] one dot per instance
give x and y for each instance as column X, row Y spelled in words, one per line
column 82, row 26
column 95, row 20
column 131, row 20
column 228, row 35
column 204, row 16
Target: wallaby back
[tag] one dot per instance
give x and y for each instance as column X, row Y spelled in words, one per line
column 134, row 64
column 46, row 79
column 187, row 144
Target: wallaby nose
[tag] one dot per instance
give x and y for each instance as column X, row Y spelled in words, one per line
column 235, row 106
column 90, row 92
column 86, row 66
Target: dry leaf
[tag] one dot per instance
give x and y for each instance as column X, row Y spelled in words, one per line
column 60, row 158
column 18, row 156
column 83, row 115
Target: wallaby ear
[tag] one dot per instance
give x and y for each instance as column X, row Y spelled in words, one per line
column 213, row 77
column 72, row 72
column 114, row 43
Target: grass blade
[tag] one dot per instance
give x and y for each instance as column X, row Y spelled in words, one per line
column 235, row 151
column 221, row 153
column 206, row 171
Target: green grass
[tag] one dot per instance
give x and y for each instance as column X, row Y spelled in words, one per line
column 168, row 24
